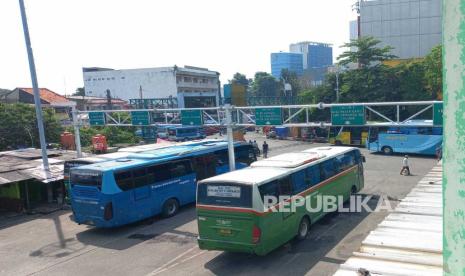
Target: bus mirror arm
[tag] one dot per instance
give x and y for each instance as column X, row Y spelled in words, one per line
column 364, row 159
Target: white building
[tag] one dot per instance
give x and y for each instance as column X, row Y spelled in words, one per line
column 192, row 86
column 412, row 27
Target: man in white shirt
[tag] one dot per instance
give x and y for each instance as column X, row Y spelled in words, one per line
column 405, row 166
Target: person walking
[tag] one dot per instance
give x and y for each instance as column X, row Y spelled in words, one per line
column 256, row 147
column 265, row 150
column 405, row 166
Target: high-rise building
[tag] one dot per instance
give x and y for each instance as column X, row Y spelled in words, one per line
column 192, row 86
column 289, row 61
column 412, row 27
column 314, row 54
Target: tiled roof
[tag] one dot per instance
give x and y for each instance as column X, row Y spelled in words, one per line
column 47, row 95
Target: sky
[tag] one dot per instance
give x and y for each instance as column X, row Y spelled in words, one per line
column 223, row 35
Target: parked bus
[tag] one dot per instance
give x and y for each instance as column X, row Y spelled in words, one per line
column 69, row 164
column 232, row 214
column 123, row 191
column 416, row 136
column 163, row 131
column 122, row 153
column 182, row 133
column 350, row 136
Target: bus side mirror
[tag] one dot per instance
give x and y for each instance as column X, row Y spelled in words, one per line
column 364, row 159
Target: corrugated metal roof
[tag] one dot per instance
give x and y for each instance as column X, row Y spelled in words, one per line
column 409, row 240
column 24, row 164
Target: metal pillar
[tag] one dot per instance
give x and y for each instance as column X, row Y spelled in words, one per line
column 229, row 130
column 77, row 136
column 35, row 88
column 454, row 132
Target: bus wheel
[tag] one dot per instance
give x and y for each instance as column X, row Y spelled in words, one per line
column 170, row 208
column 338, row 143
column 304, row 226
column 387, row 150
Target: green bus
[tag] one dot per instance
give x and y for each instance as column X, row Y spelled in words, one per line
column 231, row 210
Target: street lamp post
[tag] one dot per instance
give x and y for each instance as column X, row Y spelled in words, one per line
column 35, row 88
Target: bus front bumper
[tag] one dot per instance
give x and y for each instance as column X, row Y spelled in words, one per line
column 207, row 244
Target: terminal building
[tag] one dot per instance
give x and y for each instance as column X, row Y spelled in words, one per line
column 191, row 86
column 412, row 27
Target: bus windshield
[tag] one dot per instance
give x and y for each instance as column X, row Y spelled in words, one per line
column 225, row 194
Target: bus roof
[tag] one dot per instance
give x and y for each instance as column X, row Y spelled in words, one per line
column 261, row 172
column 249, row 175
column 329, row 152
column 289, row 160
column 158, row 155
column 101, row 158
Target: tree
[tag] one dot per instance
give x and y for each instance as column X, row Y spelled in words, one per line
column 265, row 85
column 367, row 52
column 18, row 126
column 433, row 73
column 79, row 92
column 239, row 78
column 291, row 78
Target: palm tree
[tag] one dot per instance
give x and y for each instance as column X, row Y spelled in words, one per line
column 367, row 52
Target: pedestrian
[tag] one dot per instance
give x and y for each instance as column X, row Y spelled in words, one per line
column 256, row 148
column 405, row 166
column 439, row 153
column 265, row 150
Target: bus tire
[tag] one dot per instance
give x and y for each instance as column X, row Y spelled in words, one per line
column 387, row 150
column 170, row 208
column 304, row 226
column 338, row 143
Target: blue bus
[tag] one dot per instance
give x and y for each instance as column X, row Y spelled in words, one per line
column 185, row 133
column 162, row 131
column 122, row 191
column 416, row 136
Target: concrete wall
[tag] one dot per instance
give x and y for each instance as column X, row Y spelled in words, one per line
column 412, row 27
column 125, row 84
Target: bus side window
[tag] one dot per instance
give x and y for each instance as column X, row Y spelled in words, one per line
column 285, row 186
column 180, row 168
column 312, row 175
column 222, row 157
column 124, row 180
column 269, row 189
column 139, row 177
column 327, row 169
column 159, row 173
column 357, row 155
column 300, row 181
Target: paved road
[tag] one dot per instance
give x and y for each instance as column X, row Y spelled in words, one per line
column 53, row 245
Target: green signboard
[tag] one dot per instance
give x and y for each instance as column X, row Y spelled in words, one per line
column 97, row 118
column 268, row 116
column 191, row 117
column 347, row 115
column 437, row 114
column 140, row 118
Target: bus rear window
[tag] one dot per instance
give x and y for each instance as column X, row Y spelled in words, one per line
column 225, row 194
column 86, row 178
column 71, row 164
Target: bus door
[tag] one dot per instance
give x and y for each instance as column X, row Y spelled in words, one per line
column 356, row 136
column 141, row 189
column 373, row 143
